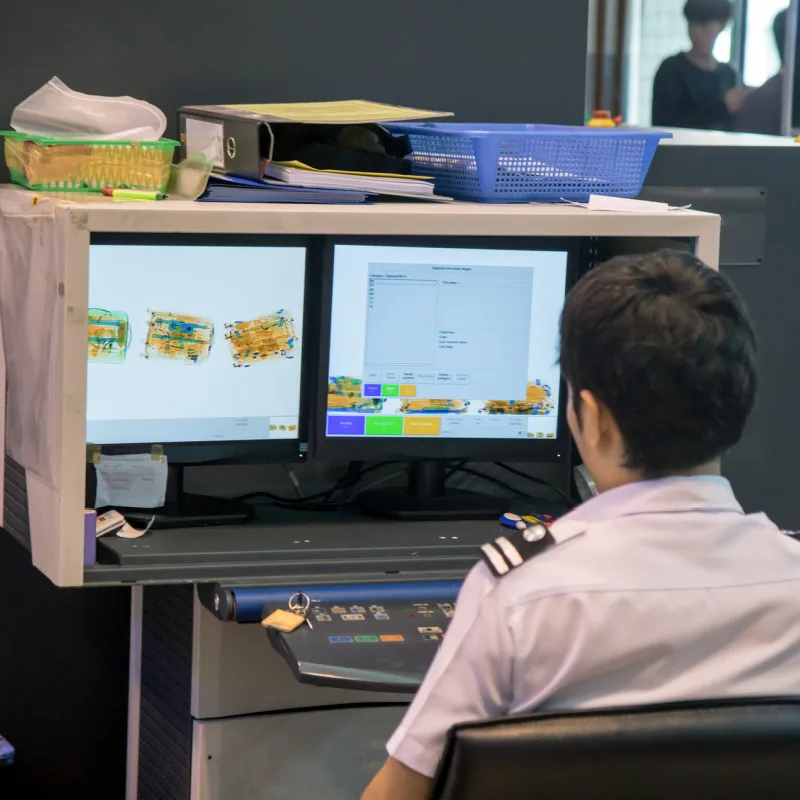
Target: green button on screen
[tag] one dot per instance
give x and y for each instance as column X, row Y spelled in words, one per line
column 366, row 638
column 390, row 390
column 384, row 426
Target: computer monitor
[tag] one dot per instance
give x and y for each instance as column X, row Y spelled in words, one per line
column 442, row 349
column 196, row 344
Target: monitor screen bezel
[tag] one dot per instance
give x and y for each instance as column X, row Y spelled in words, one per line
column 407, row 449
column 253, row 450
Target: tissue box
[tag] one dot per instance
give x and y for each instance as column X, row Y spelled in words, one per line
column 62, row 165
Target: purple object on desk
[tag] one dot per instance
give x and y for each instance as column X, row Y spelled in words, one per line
column 89, row 538
column 6, row 752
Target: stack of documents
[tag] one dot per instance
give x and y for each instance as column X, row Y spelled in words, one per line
column 230, row 189
column 296, row 174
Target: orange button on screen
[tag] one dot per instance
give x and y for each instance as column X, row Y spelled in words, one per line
column 422, row 426
column 392, row 638
column 408, row 390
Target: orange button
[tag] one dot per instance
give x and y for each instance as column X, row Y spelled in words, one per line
column 422, row 426
column 408, row 390
column 394, row 637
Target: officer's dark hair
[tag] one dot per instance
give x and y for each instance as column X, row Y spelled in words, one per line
column 779, row 31
column 704, row 11
column 667, row 345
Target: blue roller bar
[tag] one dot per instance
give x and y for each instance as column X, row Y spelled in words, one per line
column 251, row 600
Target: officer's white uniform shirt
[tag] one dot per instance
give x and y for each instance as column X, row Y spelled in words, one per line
column 655, row 592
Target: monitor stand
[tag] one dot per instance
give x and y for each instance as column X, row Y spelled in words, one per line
column 183, row 510
column 426, row 498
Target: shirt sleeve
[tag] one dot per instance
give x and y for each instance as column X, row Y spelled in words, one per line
column 470, row 677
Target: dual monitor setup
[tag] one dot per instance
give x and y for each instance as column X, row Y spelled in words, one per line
column 261, row 348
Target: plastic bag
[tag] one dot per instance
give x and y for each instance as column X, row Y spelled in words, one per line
column 189, row 178
column 57, row 111
column 29, row 290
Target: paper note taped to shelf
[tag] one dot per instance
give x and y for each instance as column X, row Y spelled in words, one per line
column 132, row 481
column 601, row 203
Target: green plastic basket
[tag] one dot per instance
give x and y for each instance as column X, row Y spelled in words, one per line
column 68, row 165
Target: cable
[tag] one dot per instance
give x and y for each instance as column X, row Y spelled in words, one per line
column 502, row 484
column 540, row 481
column 289, row 501
column 372, row 485
column 353, row 476
column 355, row 479
column 294, row 480
column 453, row 468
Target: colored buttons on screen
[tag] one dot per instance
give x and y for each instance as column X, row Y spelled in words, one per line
column 384, row 426
column 372, row 390
column 350, row 425
column 390, row 390
column 408, row 390
column 422, row 426
column 392, row 638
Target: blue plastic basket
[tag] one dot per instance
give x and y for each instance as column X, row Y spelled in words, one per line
column 523, row 163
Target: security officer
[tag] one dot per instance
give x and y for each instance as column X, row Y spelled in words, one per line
column 661, row 588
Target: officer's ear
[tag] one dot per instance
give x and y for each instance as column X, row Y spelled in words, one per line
column 597, row 425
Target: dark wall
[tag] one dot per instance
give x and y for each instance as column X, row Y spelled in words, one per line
column 63, row 684
column 765, row 467
column 506, row 60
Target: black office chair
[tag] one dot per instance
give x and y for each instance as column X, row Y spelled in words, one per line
column 710, row 750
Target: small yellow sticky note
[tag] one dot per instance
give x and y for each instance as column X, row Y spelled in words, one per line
column 284, row 621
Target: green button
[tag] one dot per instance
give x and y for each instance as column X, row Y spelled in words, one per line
column 390, row 390
column 366, row 638
column 384, row 426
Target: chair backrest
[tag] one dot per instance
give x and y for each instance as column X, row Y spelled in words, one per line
column 727, row 749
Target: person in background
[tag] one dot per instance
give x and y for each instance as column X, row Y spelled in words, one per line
column 761, row 110
column 693, row 90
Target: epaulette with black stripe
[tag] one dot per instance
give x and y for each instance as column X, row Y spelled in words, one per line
column 510, row 551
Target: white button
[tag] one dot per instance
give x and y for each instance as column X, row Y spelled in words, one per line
column 535, row 533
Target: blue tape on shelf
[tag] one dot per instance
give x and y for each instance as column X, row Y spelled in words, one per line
column 250, row 601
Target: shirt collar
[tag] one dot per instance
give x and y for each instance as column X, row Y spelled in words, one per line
column 704, row 493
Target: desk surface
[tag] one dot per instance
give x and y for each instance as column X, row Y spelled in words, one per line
column 285, row 547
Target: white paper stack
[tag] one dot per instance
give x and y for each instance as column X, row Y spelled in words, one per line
column 370, row 184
